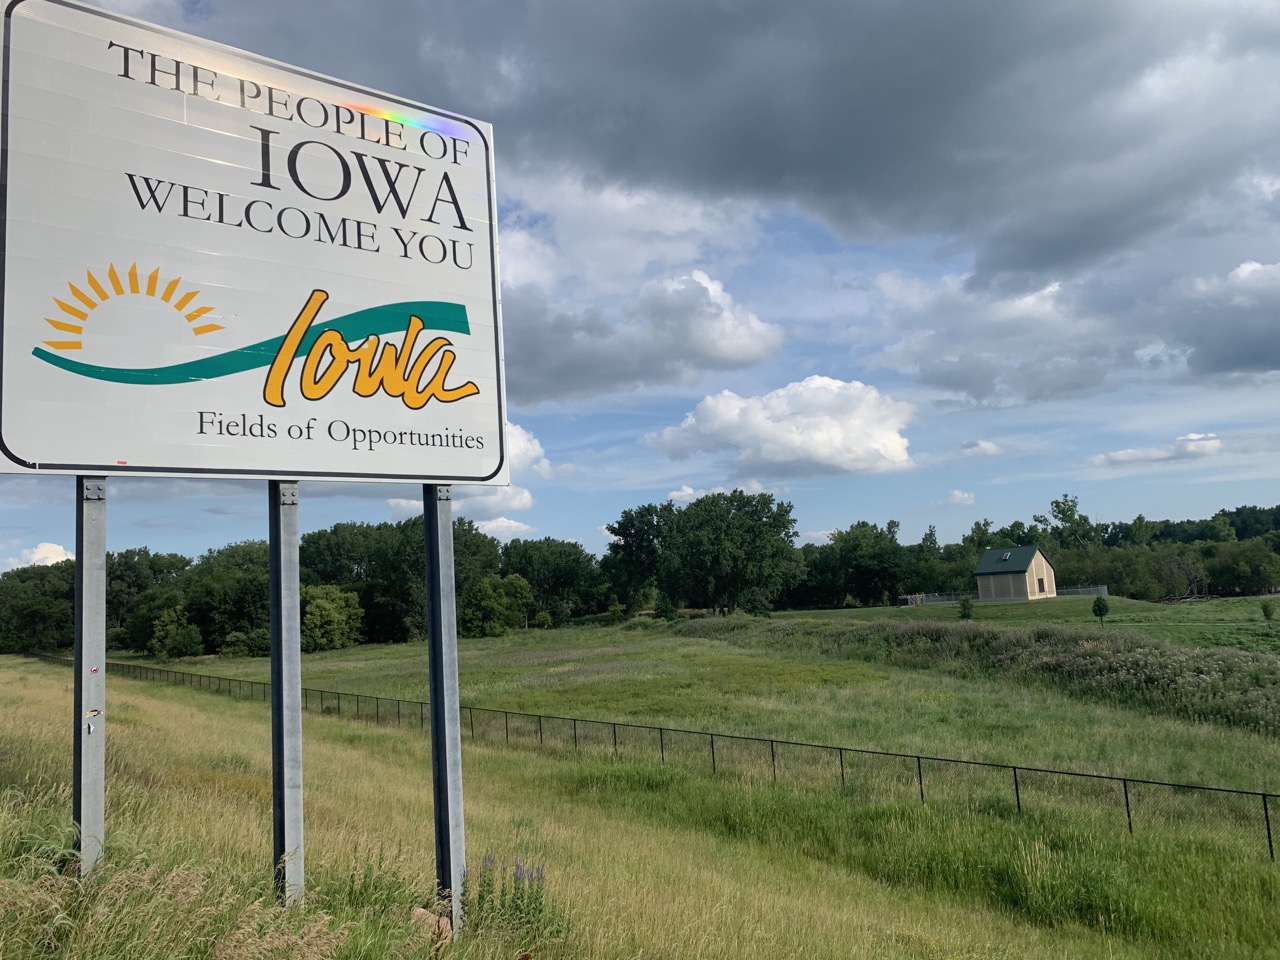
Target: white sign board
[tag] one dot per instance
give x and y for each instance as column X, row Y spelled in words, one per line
column 219, row 265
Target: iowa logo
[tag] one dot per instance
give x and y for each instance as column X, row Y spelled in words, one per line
column 384, row 349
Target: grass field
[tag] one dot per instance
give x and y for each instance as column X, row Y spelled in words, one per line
column 641, row 861
column 678, row 676
column 663, row 860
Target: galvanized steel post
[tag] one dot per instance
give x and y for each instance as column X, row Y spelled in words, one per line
column 88, row 776
column 446, row 733
column 286, row 692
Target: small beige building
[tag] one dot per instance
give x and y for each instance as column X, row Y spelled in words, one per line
column 1015, row 573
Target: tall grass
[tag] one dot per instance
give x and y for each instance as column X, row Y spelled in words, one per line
column 1223, row 685
column 810, row 681
column 1047, row 868
column 187, row 814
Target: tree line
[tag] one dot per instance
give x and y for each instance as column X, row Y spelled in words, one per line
column 724, row 552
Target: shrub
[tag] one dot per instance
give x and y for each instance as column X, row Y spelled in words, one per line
column 175, row 636
column 252, row 643
column 664, row 609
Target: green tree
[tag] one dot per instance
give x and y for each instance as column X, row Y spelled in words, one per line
column 565, row 579
column 520, row 602
column 476, row 555
column 633, row 559
column 1101, row 608
column 175, row 636
column 872, row 562
column 331, row 618
column 131, row 573
column 730, row 550
column 228, row 590
column 485, row 615
column 1243, row 568
column 140, row 625
column 37, row 608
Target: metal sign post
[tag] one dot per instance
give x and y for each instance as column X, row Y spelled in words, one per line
column 446, row 732
column 286, row 692
column 88, row 779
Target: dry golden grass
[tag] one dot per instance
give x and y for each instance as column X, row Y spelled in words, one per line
column 189, row 844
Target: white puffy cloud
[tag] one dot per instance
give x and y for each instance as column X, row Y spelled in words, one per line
column 402, row 508
column 488, row 503
column 687, row 494
column 960, row 498
column 1192, row 446
column 526, row 453
column 41, row 555
column 504, row 529
column 980, row 448
column 817, row 425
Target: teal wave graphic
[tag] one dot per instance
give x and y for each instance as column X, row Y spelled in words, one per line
column 375, row 321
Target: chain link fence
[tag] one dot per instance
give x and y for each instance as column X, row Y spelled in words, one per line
column 1236, row 820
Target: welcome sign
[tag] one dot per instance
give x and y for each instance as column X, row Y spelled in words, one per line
column 215, row 264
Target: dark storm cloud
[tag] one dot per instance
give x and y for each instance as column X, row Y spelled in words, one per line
column 1101, row 145
column 1053, row 133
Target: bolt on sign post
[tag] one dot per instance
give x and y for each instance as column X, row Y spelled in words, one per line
column 220, row 266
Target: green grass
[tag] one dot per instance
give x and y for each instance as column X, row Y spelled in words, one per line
column 639, row 862
column 1047, row 868
column 771, row 678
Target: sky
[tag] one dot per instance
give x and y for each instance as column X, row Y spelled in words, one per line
column 925, row 262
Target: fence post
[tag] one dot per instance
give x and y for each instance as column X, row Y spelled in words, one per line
column 575, row 734
column 773, row 760
column 1266, row 816
column 842, row 783
column 1128, row 813
column 662, row 746
column 713, row 753
column 471, row 715
column 1017, row 793
column 539, row 729
column 615, row 739
column 920, row 778
column 506, row 725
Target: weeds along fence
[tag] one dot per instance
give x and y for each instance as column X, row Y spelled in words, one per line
column 1237, row 822
column 922, row 599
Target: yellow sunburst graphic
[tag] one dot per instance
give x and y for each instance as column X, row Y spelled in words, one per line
column 132, row 283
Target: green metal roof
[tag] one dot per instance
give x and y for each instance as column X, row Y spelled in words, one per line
column 1007, row 560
